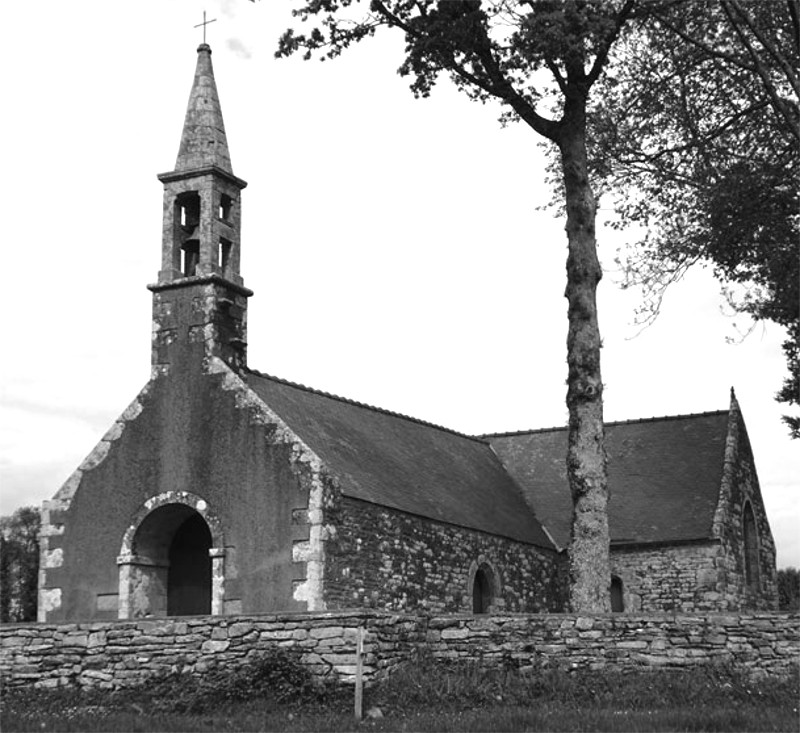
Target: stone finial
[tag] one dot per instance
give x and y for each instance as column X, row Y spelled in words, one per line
column 734, row 402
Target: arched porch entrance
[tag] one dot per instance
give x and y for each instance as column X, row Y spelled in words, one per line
column 171, row 563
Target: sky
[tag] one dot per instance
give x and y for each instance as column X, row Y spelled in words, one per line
column 397, row 247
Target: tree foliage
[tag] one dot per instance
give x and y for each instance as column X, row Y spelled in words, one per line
column 539, row 59
column 695, row 136
column 789, row 589
column 690, row 121
column 19, row 565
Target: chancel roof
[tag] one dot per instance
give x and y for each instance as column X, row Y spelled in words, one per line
column 664, row 476
column 406, row 464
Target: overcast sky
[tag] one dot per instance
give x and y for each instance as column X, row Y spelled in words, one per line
column 394, row 246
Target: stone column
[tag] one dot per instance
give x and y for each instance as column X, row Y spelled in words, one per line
column 217, row 555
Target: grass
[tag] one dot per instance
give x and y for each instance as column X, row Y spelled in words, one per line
column 276, row 694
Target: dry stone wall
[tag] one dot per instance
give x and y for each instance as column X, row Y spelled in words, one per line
column 126, row 653
column 119, row 654
column 763, row 643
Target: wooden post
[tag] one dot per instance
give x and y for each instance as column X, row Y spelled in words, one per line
column 359, row 673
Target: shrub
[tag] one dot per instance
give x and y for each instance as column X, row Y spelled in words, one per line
column 789, row 589
column 19, row 565
column 275, row 676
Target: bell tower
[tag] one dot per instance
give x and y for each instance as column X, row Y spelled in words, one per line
column 200, row 299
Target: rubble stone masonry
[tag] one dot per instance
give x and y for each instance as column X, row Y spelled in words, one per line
column 125, row 653
column 678, row 578
column 391, row 560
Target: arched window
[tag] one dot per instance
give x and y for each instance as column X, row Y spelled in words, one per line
column 484, row 582
column 617, row 597
column 751, row 569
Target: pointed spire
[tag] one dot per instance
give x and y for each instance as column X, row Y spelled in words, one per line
column 203, row 143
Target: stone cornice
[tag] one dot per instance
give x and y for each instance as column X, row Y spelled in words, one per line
column 212, row 279
column 198, row 172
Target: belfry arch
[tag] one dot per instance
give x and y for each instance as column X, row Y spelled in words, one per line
column 171, row 562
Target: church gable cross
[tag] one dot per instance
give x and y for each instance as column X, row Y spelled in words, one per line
column 204, row 24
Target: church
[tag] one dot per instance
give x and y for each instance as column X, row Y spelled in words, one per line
column 223, row 490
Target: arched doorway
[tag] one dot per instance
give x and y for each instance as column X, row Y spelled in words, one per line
column 483, row 589
column 171, row 563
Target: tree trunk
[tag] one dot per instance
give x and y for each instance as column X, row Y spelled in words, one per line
column 589, row 565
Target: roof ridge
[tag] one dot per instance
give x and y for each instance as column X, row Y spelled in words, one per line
column 373, row 408
column 631, row 421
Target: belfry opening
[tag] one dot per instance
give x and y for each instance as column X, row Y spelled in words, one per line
column 187, row 225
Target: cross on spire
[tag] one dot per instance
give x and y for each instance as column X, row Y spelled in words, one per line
column 204, row 24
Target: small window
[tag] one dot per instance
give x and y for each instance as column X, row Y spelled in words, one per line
column 617, row 596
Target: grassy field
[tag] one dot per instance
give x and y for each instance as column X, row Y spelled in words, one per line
column 274, row 694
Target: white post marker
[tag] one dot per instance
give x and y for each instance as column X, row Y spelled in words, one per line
column 359, row 673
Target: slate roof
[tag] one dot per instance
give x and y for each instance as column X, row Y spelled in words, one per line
column 403, row 463
column 664, row 476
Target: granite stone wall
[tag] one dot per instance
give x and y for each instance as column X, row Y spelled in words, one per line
column 99, row 553
column 740, row 493
column 679, row 578
column 125, row 653
column 388, row 559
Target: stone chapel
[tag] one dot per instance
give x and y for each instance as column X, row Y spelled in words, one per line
column 223, row 490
